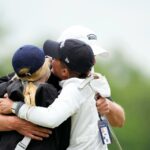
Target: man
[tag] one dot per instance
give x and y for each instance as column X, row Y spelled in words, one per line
column 113, row 111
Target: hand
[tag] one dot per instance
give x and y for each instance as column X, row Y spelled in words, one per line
column 29, row 129
column 5, row 105
column 112, row 111
column 103, row 105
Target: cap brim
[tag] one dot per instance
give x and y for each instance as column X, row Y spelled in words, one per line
column 97, row 50
column 51, row 48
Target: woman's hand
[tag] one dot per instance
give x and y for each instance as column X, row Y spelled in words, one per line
column 5, row 105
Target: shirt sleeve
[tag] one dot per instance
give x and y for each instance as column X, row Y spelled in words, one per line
column 67, row 103
column 101, row 86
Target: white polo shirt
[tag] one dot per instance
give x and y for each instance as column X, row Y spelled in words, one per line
column 76, row 100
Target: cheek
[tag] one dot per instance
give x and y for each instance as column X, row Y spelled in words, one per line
column 55, row 67
column 53, row 62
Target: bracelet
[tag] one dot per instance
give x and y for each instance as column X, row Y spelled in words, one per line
column 16, row 106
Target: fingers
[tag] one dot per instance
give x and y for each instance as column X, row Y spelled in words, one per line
column 32, row 136
column 102, row 105
column 104, row 111
column 100, row 102
column 40, row 134
column 41, row 131
column 29, row 129
column 35, row 134
column 35, row 137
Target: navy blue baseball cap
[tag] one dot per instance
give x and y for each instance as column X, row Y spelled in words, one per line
column 77, row 55
column 27, row 60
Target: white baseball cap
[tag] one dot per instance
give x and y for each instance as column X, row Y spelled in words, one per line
column 84, row 34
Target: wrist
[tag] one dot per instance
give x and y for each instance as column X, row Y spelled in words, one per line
column 11, row 123
column 16, row 106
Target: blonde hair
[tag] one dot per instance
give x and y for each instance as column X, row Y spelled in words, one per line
column 29, row 85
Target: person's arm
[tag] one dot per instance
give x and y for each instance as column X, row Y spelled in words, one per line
column 62, row 108
column 13, row 123
column 113, row 111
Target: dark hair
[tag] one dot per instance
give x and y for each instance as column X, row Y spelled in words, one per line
column 74, row 73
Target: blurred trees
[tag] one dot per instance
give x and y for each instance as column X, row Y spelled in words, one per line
column 5, row 66
column 5, row 61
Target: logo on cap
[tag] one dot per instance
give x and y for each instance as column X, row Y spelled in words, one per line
column 62, row 44
column 92, row 37
column 67, row 60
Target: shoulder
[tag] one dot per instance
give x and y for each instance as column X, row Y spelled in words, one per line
column 70, row 87
column 6, row 78
column 72, row 83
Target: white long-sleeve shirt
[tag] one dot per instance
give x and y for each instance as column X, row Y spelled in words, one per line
column 76, row 100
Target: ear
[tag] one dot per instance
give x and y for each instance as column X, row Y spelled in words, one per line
column 65, row 73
